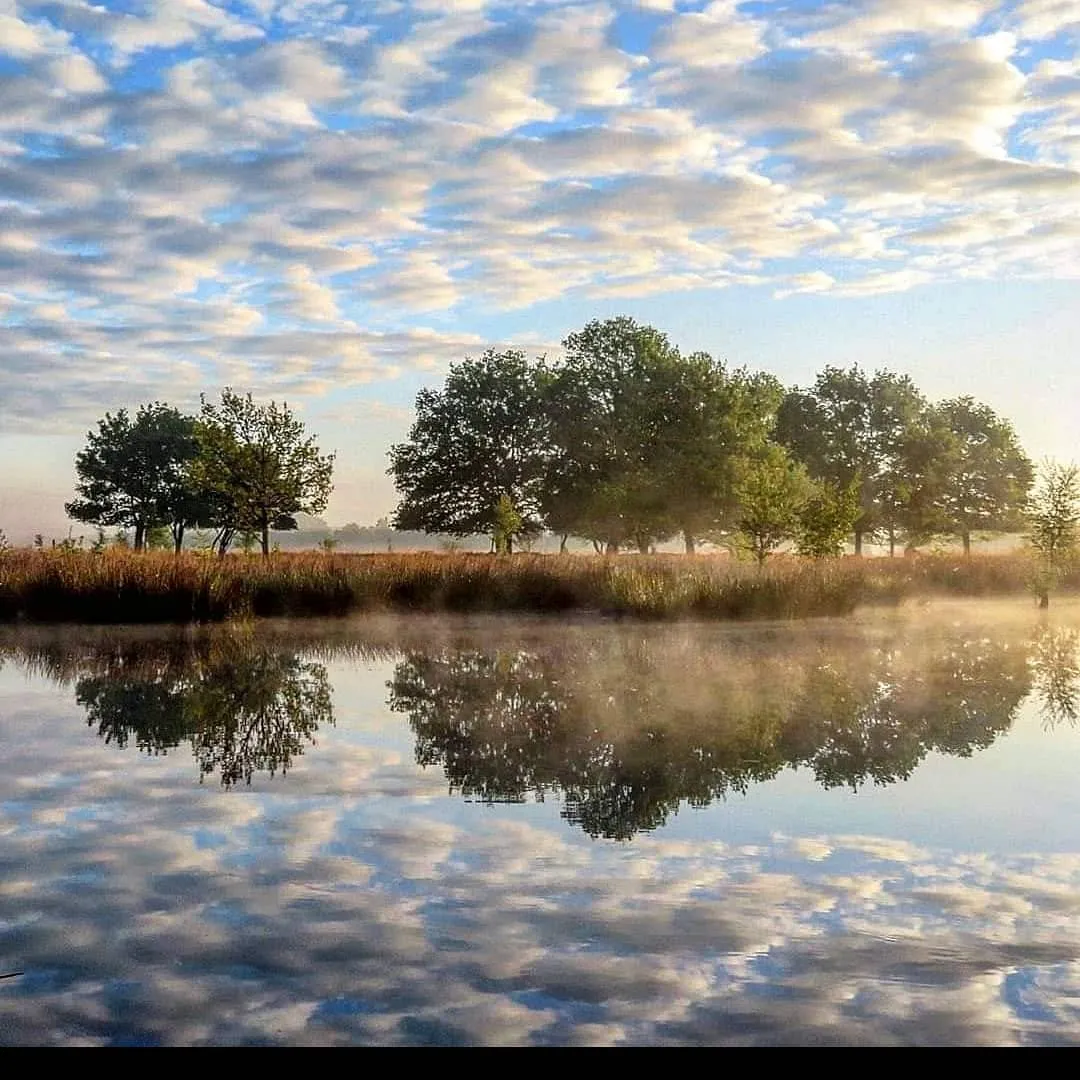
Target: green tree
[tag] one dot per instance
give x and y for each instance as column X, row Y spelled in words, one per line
column 1054, row 523
column 647, row 442
column 508, row 524
column 709, row 423
column 260, row 466
column 602, row 481
column 135, row 472
column 849, row 428
column 481, row 437
column 771, row 493
column 986, row 476
column 825, row 519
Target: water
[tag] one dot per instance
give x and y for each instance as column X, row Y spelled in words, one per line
column 516, row 831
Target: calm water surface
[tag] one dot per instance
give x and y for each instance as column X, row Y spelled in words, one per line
column 509, row 831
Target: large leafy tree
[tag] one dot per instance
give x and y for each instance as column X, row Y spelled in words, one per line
column 136, row 472
column 600, row 483
column 985, row 474
column 646, row 441
column 711, row 423
column 853, row 429
column 477, row 443
column 258, row 466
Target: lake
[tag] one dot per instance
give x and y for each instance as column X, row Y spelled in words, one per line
column 541, row 831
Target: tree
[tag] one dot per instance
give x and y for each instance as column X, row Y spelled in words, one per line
column 985, row 474
column 480, row 438
column 825, row 519
column 508, row 524
column 602, row 483
column 1054, row 522
column 259, row 467
column 852, row 429
column 711, row 422
column 136, row 472
column 646, row 442
column 772, row 493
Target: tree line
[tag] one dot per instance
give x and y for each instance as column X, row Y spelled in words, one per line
column 624, row 442
column 628, row 442
column 238, row 467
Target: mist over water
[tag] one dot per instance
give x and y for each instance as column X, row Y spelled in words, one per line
column 530, row 831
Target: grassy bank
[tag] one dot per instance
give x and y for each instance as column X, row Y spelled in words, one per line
column 120, row 587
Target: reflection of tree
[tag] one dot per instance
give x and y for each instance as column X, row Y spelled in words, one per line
column 630, row 729
column 243, row 709
column 1055, row 667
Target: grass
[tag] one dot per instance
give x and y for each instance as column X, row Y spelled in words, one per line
column 121, row 587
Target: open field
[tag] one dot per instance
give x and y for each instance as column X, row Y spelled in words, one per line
column 121, row 587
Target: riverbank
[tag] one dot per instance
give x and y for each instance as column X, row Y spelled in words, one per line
column 121, row 587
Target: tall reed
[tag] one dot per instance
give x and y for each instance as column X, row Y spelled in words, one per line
column 121, row 587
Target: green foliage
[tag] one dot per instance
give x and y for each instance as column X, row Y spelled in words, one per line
column 647, row 442
column 984, row 475
column 772, row 492
column 484, row 435
column 851, row 429
column 508, row 524
column 158, row 538
column 257, row 467
column 135, row 472
column 1054, row 512
column 826, row 519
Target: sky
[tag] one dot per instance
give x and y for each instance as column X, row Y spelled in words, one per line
column 329, row 202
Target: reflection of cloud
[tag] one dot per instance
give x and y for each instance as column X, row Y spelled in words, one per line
column 357, row 902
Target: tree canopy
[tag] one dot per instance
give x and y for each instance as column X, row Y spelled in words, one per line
column 481, row 439
column 259, row 466
column 135, row 472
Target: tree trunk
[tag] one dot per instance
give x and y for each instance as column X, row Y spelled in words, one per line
column 892, row 541
column 140, row 535
column 611, row 549
column 178, row 539
column 858, row 541
column 966, row 537
column 688, row 542
column 265, row 531
column 509, row 545
column 562, row 543
column 643, row 546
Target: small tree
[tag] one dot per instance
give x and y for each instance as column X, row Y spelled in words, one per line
column 260, row 466
column 771, row 494
column 158, row 538
column 1054, row 523
column 826, row 519
column 508, row 524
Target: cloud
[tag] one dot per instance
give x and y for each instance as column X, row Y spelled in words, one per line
column 189, row 188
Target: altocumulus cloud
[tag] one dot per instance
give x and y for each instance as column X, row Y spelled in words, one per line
column 295, row 195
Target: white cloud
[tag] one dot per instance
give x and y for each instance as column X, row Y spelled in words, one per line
column 362, row 172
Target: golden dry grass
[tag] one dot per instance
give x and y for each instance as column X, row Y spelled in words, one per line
column 121, row 587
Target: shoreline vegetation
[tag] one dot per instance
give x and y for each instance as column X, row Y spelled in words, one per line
column 116, row 586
